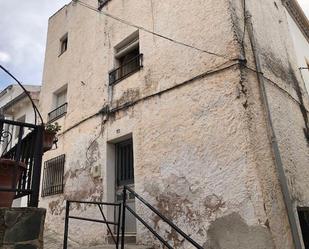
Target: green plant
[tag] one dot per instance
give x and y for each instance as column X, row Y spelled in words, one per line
column 53, row 127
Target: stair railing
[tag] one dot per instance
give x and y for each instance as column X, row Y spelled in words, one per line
column 139, row 218
column 104, row 221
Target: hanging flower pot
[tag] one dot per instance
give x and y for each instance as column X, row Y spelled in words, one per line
column 6, row 177
column 48, row 140
column 49, row 135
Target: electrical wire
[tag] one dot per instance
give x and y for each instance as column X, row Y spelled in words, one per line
column 216, row 69
column 149, row 31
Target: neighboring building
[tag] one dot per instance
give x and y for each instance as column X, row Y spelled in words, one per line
column 15, row 105
column 199, row 105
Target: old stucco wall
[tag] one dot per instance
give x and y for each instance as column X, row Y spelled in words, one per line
column 285, row 90
column 201, row 151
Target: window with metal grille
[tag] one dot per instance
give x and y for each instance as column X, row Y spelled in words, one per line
column 124, row 163
column 53, row 176
column 303, row 214
column 60, row 103
column 127, row 59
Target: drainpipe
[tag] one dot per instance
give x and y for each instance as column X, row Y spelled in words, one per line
column 274, row 143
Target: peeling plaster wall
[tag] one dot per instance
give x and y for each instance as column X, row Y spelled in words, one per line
column 201, row 151
column 288, row 103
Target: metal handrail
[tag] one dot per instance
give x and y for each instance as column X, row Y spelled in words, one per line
column 27, row 150
column 127, row 63
column 64, row 106
column 165, row 219
column 139, row 57
column 104, row 221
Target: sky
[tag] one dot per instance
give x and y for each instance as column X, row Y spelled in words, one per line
column 23, row 28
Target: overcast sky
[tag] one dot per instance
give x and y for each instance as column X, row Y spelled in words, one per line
column 23, row 27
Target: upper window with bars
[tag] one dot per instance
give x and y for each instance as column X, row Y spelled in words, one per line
column 60, row 103
column 53, row 176
column 128, row 59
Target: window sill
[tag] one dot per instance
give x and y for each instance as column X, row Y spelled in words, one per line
column 61, row 53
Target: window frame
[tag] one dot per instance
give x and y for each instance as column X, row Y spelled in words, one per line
column 123, row 67
column 64, row 41
column 49, row 187
column 59, row 109
column 121, row 149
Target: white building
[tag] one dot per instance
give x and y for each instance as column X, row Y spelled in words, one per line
column 15, row 105
column 199, row 105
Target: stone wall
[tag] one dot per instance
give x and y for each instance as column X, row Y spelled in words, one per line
column 22, row 228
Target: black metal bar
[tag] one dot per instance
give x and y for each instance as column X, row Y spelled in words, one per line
column 17, row 156
column 149, row 228
column 127, row 63
column 94, row 202
column 57, row 113
column 115, row 78
column 104, row 221
column 164, row 218
column 93, row 220
column 123, row 216
column 66, row 225
column 108, row 227
column 16, row 123
column 16, row 190
column 37, row 167
column 118, row 227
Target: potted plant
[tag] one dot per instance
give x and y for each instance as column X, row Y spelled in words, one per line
column 7, row 172
column 49, row 135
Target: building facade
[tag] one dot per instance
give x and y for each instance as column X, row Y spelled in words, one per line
column 15, row 105
column 201, row 107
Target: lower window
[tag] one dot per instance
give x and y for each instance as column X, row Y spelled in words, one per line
column 53, row 176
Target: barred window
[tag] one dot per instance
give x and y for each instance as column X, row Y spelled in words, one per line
column 53, row 176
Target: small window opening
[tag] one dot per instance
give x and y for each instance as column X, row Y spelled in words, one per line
column 63, row 44
column 127, row 58
column 303, row 215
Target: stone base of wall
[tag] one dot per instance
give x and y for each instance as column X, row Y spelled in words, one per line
column 21, row 228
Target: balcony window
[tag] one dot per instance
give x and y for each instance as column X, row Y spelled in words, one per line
column 128, row 59
column 53, row 176
column 60, row 100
